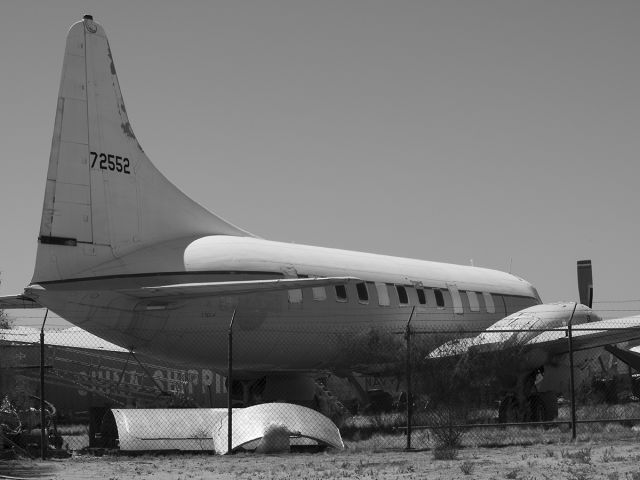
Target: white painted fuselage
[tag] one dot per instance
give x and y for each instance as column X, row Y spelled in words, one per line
column 297, row 329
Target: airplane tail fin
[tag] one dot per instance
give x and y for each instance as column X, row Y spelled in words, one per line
column 103, row 197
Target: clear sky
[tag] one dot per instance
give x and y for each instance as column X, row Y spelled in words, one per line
column 506, row 132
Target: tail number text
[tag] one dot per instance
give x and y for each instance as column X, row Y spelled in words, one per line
column 107, row 161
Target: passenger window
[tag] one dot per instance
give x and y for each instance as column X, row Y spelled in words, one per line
column 439, row 297
column 403, row 298
column 383, row 294
column 319, row 293
column 341, row 293
column 455, row 299
column 295, row 296
column 488, row 301
column 363, row 293
column 422, row 299
column 474, row 304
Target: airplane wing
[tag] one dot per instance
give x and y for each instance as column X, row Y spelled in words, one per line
column 631, row 357
column 589, row 335
column 553, row 341
column 73, row 337
column 211, row 289
column 17, row 301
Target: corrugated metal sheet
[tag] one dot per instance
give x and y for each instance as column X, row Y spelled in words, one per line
column 206, row 428
column 167, row 429
column 250, row 424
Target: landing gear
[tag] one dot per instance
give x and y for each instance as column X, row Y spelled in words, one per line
column 509, row 410
column 537, row 407
column 524, row 403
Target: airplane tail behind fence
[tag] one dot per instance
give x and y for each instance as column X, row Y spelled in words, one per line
column 104, row 198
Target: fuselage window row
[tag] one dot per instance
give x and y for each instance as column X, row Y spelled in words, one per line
column 403, row 293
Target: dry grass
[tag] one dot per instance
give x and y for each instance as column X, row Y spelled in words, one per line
column 374, row 450
column 565, row 461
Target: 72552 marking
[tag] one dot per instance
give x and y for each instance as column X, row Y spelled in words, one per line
column 108, row 161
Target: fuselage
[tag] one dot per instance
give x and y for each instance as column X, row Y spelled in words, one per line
column 112, row 224
column 294, row 330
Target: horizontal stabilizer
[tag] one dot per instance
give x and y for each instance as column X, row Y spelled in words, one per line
column 17, row 301
column 208, row 289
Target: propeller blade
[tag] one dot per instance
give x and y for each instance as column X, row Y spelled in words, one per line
column 585, row 282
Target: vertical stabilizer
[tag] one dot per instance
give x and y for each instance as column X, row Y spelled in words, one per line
column 104, row 198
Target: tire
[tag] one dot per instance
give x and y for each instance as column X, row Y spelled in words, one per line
column 508, row 412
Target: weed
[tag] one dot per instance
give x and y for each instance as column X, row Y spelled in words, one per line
column 448, row 436
column 406, row 469
column 448, row 441
column 609, row 456
column 467, row 467
column 633, row 475
column 581, row 456
column 550, row 453
column 579, row 476
column 442, row 452
column 513, row 474
column 613, row 476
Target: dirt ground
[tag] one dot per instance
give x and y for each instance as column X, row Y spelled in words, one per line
column 572, row 461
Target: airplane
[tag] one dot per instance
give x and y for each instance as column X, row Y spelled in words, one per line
column 125, row 255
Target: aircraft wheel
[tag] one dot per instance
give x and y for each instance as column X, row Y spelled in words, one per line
column 550, row 402
column 509, row 410
column 536, row 411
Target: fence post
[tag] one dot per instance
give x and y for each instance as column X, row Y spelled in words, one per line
column 43, row 416
column 230, row 383
column 571, row 375
column 408, row 375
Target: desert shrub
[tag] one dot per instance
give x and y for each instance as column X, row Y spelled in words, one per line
column 609, row 456
column 467, row 467
column 445, row 453
column 579, row 456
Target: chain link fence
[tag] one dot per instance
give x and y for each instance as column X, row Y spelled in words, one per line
column 412, row 386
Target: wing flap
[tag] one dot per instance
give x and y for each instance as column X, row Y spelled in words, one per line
column 210, row 289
